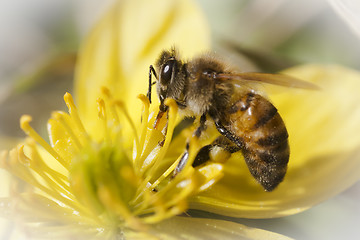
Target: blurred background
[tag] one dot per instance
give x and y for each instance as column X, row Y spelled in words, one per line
column 39, row 40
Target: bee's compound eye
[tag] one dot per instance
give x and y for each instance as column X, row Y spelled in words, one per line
column 167, row 71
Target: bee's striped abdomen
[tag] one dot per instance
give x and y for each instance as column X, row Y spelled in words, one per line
column 255, row 121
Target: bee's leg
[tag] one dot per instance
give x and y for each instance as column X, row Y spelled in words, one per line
column 202, row 126
column 227, row 143
column 220, row 145
column 203, row 155
column 229, row 135
column 183, row 161
column 185, row 156
column 151, row 71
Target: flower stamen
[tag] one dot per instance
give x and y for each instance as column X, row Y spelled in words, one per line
column 103, row 116
column 166, row 173
column 25, row 126
column 158, row 152
column 59, row 116
column 122, row 107
column 172, row 114
column 145, row 117
column 38, row 165
column 74, row 113
column 17, row 165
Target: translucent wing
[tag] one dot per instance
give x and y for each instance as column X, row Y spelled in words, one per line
column 276, row 79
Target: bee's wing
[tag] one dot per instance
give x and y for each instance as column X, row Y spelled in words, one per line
column 276, row 79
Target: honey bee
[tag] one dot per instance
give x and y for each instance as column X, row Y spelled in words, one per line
column 205, row 87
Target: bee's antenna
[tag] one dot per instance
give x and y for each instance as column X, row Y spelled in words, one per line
column 151, row 71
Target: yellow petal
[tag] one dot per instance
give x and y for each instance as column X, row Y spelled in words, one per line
column 202, row 228
column 324, row 140
column 61, row 221
column 126, row 41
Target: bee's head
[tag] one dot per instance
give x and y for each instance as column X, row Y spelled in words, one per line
column 170, row 76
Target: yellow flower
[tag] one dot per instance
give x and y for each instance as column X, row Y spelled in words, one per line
column 81, row 187
column 105, row 173
column 108, row 173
